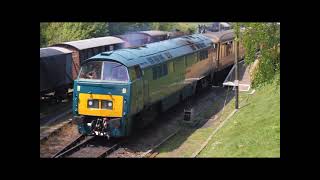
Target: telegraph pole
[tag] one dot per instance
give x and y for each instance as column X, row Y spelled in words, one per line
column 236, row 79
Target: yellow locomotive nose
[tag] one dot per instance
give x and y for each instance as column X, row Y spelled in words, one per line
column 100, row 105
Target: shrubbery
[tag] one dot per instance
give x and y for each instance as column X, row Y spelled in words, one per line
column 263, row 38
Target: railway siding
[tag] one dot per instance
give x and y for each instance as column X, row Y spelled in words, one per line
column 55, row 143
column 50, row 129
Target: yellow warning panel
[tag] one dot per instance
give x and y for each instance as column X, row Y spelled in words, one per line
column 117, row 107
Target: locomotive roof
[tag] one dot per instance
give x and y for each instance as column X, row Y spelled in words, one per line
column 53, row 51
column 93, row 42
column 155, row 53
column 221, row 36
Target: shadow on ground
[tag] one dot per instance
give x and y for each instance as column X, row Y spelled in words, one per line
column 206, row 117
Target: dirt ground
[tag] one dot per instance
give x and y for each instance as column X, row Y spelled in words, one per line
column 54, row 144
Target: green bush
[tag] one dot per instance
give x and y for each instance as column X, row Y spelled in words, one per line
column 264, row 37
column 52, row 33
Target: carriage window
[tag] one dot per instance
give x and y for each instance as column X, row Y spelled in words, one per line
column 226, row 49
column 214, row 46
column 229, row 48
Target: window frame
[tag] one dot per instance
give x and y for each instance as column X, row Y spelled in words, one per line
column 102, row 73
column 160, row 70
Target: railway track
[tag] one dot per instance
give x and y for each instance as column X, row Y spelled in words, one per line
column 54, row 130
column 137, row 147
column 89, row 147
column 52, row 124
column 152, row 153
column 53, row 117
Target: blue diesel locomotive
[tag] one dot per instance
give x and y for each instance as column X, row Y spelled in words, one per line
column 114, row 88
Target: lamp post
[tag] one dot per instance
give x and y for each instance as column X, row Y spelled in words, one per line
column 236, row 79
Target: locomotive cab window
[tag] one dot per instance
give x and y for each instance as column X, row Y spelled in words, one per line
column 105, row 71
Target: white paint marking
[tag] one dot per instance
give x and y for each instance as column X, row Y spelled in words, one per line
column 253, row 91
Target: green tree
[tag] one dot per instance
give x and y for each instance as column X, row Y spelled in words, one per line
column 265, row 38
column 118, row 28
column 52, row 33
column 166, row 26
column 43, row 27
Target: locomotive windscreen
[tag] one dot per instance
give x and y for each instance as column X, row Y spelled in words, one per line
column 104, row 71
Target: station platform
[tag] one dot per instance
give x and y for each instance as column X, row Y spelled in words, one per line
column 244, row 81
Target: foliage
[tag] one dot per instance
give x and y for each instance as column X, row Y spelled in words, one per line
column 118, row 28
column 183, row 27
column 265, row 38
column 57, row 32
column 52, row 33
